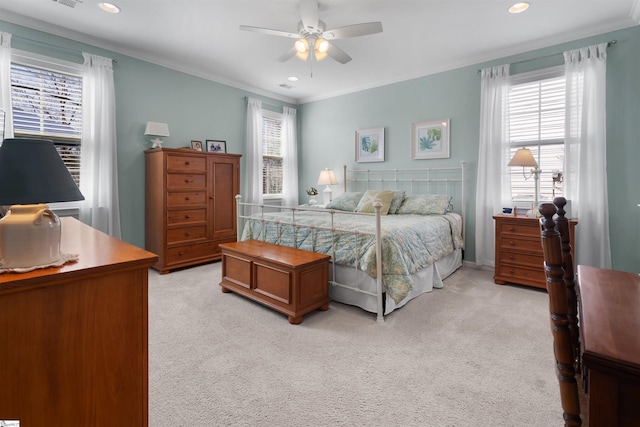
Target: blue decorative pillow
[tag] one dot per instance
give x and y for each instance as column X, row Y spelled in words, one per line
column 345, row 202
column 396, row 202
column 426, row 204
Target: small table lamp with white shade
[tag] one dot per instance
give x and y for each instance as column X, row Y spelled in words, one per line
column 523, row 157
column 156, row 129
column 31, row 175
column 327, row 177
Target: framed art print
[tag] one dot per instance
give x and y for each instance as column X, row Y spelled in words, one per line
column 214, row 146
column 430, row 140
column 370, row 145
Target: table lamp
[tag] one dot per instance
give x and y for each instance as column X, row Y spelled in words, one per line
column 32, row 174
column 327, row 177
column 524, row 158
column 156, row 129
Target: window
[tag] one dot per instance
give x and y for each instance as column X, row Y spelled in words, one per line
column 47, row 103
column 271, row 153
column 536, row 121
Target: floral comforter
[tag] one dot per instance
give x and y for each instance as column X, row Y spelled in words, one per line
column 409, row 242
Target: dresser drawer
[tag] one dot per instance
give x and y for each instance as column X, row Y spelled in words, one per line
column 185, row 216
column 518, row 243
column 521, row 228
column 184, row 180
column 528, row 260
column 176, row 162
column 185, row 198
column 186, row 253
column 186, row 234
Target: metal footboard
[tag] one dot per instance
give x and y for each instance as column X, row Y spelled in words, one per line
column 258, row 214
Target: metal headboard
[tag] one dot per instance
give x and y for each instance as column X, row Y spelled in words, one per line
column 443, row 180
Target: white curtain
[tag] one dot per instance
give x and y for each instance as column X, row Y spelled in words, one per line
column 493, row 187
column 585, row 162
column 253, row 181
column 290, row 158
column 5, row 84
column 99, row 167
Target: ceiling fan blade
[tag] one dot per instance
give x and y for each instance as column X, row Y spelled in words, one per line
column 270, row 32
column 287, row 55
column 355, row 30
column 309, row 14
column 338, row 54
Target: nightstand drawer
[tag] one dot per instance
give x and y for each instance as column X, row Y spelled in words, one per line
column 521, row 228
column 528, row 260
column 518, row 243
column 513, row 273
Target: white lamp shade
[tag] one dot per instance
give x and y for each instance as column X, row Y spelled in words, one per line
column 156, row 129
column 327, row 177
column 523, row 157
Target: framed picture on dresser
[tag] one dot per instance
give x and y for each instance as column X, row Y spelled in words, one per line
column 215, row 146
column 197, row 145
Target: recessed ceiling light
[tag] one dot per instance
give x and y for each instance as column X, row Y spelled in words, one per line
column 519, row 7
column 109, row 7
column 293, row 79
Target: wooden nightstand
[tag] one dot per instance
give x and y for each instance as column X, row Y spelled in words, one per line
column 519, row 256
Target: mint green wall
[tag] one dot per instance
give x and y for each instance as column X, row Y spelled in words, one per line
column 200, row 109
column 194, row 108
column 328, row 126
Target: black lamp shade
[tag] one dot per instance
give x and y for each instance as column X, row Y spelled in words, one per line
column 31, row 171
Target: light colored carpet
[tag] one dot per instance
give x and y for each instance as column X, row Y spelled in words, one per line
column 471, row 354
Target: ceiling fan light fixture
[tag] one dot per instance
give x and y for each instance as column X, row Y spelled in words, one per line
column 302, row 55
column 320, row 55
column 321, row 45
column 301, row 45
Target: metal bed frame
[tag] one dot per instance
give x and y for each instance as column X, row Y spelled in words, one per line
column 382, row 179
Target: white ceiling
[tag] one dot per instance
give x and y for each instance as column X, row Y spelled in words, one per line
column 420, row 37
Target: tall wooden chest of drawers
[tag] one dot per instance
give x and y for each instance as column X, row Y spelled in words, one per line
column 190, row 205
column 519, row 257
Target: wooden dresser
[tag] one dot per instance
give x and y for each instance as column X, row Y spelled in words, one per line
column 190, row 205
column 519, row 256
column 74, row 338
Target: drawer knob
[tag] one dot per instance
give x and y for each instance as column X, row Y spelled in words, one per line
column 181, row 253
column 511, row 257
column 188, row 181
column 187, row 234
column 187, row 216
column 511, row 271
column 512, row 243
column 187, row 199
column 187, row 163
column 512, row 229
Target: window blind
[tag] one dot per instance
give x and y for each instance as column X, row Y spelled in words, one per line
column 48, row 105
column 271, row 155
column 536, row 121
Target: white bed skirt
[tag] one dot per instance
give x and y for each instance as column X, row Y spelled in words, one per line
column 423, row 281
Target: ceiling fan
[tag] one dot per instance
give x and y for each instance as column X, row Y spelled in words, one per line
column 313, row 36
